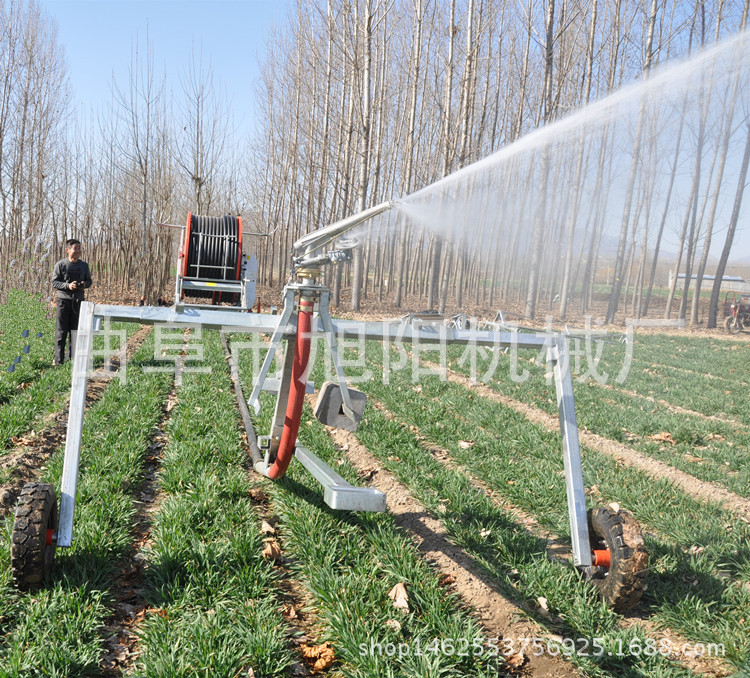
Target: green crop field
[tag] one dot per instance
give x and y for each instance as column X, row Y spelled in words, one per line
column 187, row 563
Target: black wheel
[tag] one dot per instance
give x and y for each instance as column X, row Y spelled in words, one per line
column 622, row 583
column 732, row 325
column 32, row 550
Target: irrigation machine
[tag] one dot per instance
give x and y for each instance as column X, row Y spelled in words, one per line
column 607, row 545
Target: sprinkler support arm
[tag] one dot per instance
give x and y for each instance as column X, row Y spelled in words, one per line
column 311, row 242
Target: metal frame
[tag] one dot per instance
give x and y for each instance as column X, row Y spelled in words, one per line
column 338, row 493
column 81, row 364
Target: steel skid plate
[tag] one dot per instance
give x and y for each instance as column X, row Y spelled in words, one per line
column 337, row 493
column 329, row 408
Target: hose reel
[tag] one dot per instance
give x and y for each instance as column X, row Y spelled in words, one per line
column 211, row 263
column 212, row 251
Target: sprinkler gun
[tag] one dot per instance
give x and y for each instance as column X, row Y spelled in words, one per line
column 307, row 245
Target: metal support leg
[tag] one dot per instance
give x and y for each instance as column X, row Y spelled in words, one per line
column 277, row 424
column 337, row 493
column 558, row 355
column 81, row 365
column 275, row 341
column 325, row 321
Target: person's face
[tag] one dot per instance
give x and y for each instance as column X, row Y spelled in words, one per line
column 74, row 252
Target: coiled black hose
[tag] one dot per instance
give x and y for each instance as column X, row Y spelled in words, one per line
column 214, row 249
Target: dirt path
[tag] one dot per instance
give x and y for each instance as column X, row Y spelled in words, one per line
column 297, row 603
column 130, row 607
column 654, row 367
column 698, row 489
column 557, row 549
column 303, row 628
column 25, row 462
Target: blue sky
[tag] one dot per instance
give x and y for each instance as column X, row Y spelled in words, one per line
column 99, row 35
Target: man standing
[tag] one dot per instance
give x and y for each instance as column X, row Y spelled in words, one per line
column 70, row 278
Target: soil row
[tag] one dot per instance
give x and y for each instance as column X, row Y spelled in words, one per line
column 498, row 614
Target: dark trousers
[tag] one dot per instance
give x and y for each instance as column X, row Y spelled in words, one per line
column 67, row 328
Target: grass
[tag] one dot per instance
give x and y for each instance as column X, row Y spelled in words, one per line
column 523, row 464
column 23, row 314
column 515, row 559
column 217, row 600
column 699, row 373
column 36, row 388
column 708, row 449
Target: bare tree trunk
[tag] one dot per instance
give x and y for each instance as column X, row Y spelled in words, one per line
column 732, row 227
column 437, row 241
column 410, row 146
column 693, row 221
column 614, row 297
column 565, row 288
column 344, row 195
column 729, row 116
column 541, row 213
column 664, row 215
column 364, row 147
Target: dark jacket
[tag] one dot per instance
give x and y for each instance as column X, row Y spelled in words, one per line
column 67, row 271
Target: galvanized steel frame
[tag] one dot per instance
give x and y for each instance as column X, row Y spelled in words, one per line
column 281, row 327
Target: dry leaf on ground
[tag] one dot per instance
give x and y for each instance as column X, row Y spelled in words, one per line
column 664, row 437
column 258, row 495
column 394, row 624
column 318, row 657
column 515, row 661
column 272, row 551
column 267, row 528
column 400, row 597
column 446, row 579
column 543, row 607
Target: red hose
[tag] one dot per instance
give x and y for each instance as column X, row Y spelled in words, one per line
column 296, row 392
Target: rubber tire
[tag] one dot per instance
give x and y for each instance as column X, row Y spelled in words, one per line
column 622, row 584
column 31, row 558
column 732, row 325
